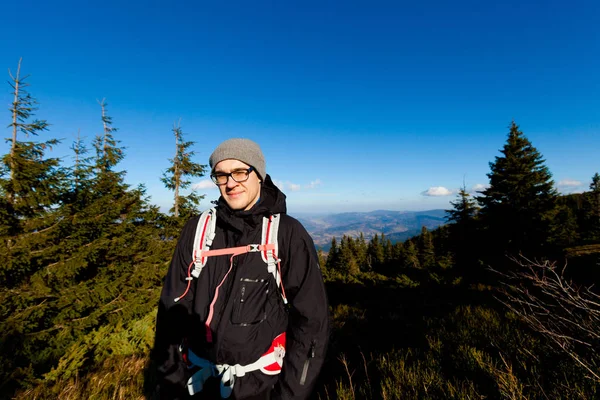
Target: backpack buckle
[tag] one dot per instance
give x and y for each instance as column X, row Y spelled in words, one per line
column 253, row 248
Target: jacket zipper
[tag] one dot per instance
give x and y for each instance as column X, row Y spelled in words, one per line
column 311, row 354
column 243, row 292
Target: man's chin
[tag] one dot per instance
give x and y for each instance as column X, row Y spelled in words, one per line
column 235, row 204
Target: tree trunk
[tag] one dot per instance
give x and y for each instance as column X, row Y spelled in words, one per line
column 176, row 172
column 102, row 104
column 15, row 112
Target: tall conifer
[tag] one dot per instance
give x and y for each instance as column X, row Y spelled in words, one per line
column 463, row 239
column 332, row 255
column 376, row 253
column 92, row 283
column 592, row 217
column 517, row 206
column 33, row 181
column 176, row 177
column 31, row 186
column 411, row 255
column 426, row 249
column 463, row 210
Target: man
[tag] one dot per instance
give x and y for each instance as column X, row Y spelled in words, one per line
column 223, row 327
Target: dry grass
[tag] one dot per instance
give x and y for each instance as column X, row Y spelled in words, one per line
column 117, row 379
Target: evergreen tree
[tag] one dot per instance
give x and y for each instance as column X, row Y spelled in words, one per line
column 31, row 186
column 375, row 253
column 463, row 239
column 108, row 152
column 518, row 204
column 397, row 253
column 564, row 227
column 426, row 249
column 464, row 209
column 33, row 180
column 92, row 288
column 411, row 255
column 592, row 211
column 81, row 175
column 346, row 261
column 332, row 255
column 388, row 250
column 361, row 251
column 322, row 262
column 595, row 185
column 81, row 167
column 176, row 177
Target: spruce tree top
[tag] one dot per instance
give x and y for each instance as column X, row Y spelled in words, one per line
column 519, row 177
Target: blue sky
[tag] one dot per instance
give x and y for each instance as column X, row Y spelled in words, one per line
column 357, row 105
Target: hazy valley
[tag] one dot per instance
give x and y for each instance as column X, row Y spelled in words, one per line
column 396, row 225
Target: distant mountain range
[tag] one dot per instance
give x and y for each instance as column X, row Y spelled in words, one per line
column 396, row 225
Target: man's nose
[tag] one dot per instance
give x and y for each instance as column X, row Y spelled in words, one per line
column 230, row 182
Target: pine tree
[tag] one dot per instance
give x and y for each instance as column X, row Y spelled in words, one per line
column 31, row 186
column 388, row 250
column 322, row 262
column 176, row 177
column 564, row 227
column 92, row 293
column 108, row 152
column 81, row 167
column 518, row 204
column 397, row 253
column 332, row 255
column 464, row 209
column 426, row 249
column 592, row 211
column 81, row 175
column 361, row 251
column 595, row 185
column 346, row 261
column 462, row 230
column 33, row 181
column 411, row 255
column 375, row 253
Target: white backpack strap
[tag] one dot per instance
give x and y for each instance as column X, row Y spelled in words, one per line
column 205, row 233
column 270, row 363
column 270, row 231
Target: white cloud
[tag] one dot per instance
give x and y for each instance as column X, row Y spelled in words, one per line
column 296, row 187
column 567, row 186
column 314, row 184
column 436, row 191
column 478, row 187
column 204, row 185
column 569, row 183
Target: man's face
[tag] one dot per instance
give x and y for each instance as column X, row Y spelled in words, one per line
column 238, row 195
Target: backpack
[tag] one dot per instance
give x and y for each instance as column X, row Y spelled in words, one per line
column 205, row 234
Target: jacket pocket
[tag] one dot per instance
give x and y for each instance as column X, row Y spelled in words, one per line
column 309, row 357
column 250, row 302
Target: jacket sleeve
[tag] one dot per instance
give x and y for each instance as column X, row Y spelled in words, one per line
column 173, row 320
column 308, row 326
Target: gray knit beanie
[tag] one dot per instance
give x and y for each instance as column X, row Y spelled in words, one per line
column 244, row 150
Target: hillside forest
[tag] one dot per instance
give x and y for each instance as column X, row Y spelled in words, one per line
column 499, row 303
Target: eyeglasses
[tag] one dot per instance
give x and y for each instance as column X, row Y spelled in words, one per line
column 240, row 175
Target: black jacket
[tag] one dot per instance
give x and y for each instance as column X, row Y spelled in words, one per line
column 242, row 330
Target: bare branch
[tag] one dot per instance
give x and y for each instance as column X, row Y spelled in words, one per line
column 565, row 313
